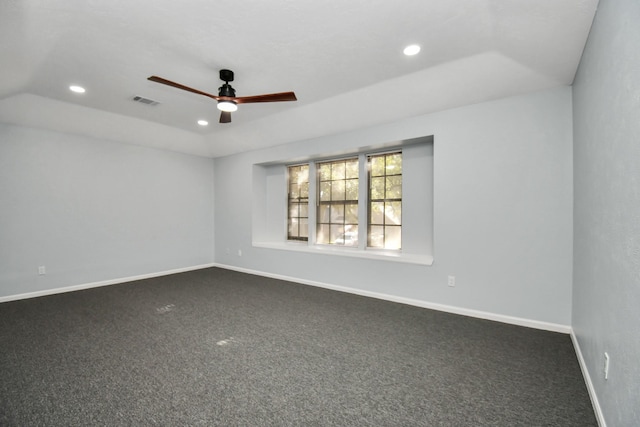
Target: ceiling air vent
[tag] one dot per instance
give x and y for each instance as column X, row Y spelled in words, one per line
column 145, row 100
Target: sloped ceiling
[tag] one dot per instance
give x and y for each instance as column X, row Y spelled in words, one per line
column 343, row 59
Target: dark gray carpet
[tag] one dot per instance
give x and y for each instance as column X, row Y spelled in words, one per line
column 219, row 348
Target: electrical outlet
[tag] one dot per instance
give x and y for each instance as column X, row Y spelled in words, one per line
column 42, row 270
column 606, row 365
column 451, row 281
column 239, row 252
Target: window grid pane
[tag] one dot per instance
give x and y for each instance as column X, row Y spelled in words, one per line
column 298, row 203
column 385, row 201
column 338, row 203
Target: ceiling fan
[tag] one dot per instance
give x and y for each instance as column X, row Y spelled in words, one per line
column 227, row 99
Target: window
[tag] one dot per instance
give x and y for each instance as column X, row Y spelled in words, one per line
column 340, row 207
column 337, row 217
column 385, row 201
column 298, row 202
column 395, row 210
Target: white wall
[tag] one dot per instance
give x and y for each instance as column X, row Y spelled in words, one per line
column 91, row 210
column 502, row 210
column 606, row 302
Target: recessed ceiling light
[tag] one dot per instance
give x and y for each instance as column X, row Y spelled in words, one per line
column 76, row 89
column 411, row 50
column 203, row 122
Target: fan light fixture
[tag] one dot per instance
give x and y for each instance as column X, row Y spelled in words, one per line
column 227, row 106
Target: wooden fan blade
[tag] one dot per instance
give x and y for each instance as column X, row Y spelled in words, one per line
column 225, row 117
column 181, row 86
column 270, row 97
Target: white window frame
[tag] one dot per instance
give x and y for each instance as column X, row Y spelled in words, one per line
column 363, row 201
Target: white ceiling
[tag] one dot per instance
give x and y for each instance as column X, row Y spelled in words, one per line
column 343, row 59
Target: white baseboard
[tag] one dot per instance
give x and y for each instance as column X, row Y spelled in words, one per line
column 409, row 301
column 101, row 283
column 536, row 324
column 587, row 380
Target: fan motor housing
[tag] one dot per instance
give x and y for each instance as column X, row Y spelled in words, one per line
column 226, row 90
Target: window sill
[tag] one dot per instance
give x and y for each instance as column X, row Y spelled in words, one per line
column 348, row 252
